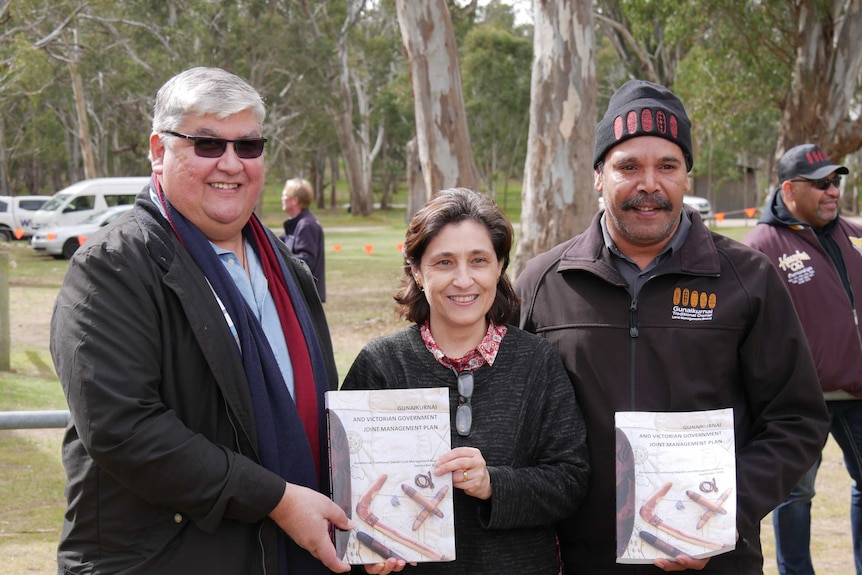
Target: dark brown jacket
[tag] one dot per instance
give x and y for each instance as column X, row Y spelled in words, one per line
column 712, row 328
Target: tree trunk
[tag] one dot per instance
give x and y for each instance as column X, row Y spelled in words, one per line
column 416, row 191
column 333, row 187
column 4, row 162
column 360, row 196
column 558, row 197
column 824, row 79
column 86, row 145
column 441, row 123
column 367, row 151
column 318, row 177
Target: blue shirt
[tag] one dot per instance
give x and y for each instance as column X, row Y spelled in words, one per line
column 255, row 291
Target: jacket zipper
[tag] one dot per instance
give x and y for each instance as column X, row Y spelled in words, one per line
column 633, row 335
column 851, row 298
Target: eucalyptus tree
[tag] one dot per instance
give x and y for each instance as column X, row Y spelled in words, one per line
column 758, row 76
column 377, row 70
column 823, row 102
column 558, row 199
column 356, row 67
column 442, row 136
column 79, row 77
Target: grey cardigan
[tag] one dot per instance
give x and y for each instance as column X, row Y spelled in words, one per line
column 529, row 428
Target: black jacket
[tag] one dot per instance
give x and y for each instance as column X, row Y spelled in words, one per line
column 160, row 454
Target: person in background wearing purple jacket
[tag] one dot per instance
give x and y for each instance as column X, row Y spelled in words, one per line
column 819, row 256
column 303, row 234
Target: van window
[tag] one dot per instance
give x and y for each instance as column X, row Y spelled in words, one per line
column 81, row 203
column 4, row 206
column 32, row 205
column 55, row 202
column 119, row 199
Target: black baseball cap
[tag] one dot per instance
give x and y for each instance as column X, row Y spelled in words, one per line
column 806, row 161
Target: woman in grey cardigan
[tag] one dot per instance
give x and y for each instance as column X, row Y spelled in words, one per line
column 519, row 457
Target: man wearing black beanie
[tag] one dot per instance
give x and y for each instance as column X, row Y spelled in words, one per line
column 652, row 312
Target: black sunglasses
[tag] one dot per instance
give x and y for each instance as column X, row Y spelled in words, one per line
column 207, row 147
column 822, row 183
column 464, row 412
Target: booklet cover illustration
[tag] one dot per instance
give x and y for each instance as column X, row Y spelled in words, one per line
column 383, row 445
column 676, row 484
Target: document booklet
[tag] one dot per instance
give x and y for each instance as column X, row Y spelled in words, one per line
column 383, row 445
column 676, row 484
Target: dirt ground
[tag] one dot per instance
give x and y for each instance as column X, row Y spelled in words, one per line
column 30, row 316
column 31, row 302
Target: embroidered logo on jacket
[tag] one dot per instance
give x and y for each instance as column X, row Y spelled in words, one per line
column 693, row 305
column 798, row 272
column 857, row 243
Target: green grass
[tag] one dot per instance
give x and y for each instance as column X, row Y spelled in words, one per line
column 360, row 285
column 359, row 306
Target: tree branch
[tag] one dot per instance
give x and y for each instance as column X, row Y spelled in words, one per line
column 59, row 29
column 642, row 56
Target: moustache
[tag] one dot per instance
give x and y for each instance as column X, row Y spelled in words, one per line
column 647, row 201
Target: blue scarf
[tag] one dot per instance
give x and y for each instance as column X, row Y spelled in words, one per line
column 289, row 444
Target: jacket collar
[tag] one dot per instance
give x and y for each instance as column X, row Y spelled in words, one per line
column 697, row 256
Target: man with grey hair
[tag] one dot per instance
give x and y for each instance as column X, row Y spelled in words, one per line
column 194, row 354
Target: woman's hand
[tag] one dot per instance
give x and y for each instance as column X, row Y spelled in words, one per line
column 468, row 470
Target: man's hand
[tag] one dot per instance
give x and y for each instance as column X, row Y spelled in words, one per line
column 391, row 565
column 681, row 563
column 305, row 515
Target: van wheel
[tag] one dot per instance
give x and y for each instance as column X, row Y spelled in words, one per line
column 70, row 247
column 5, row 235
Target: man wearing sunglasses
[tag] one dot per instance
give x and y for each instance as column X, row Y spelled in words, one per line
column 194, row 354
column 817, row 253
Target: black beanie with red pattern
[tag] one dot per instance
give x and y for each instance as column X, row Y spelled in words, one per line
column 642, row 108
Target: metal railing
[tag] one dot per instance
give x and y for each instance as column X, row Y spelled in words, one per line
column 33, row 419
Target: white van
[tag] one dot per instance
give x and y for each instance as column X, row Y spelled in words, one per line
column 76, row 203
column 16, row 215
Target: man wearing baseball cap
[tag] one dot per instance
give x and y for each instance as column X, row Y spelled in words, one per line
column 618, row 303
column 817, row 254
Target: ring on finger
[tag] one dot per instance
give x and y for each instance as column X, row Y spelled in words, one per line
column 464, row 472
